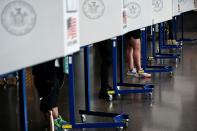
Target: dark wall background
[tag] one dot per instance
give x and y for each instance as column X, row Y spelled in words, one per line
column 189, row 21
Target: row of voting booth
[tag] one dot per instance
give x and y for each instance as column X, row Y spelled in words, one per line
column 34, row 31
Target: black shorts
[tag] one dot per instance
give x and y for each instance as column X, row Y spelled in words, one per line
column 136, row 34
column 47, row 80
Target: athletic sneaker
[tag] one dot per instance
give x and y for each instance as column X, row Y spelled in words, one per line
column 59, row 122
column 103, row 94
column 143, row 74
column 132, row 72
column 174, row 42
column 169, row 42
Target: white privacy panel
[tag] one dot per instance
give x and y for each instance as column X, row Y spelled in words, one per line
column 162, row 10
column 101, row 20
column 35, row 31
column 139, row 13
column 186, row 5
column 175, row 8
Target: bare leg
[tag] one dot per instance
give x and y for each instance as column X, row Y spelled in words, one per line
column 52, row 128
column 55, row 112
column 50, row 120
column 130, row 54
column 137, row 53
column 137, row 57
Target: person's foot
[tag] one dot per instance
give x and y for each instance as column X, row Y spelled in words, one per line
column 132, row 72
column 103, row 94
column 58, row 123
column 174, row 42
column 143, row 74
column 169, row 42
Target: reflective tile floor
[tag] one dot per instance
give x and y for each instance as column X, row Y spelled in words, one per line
column 173, row 108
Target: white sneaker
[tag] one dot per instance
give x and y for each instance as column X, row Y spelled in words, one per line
column 132, row 72
column 143, row 74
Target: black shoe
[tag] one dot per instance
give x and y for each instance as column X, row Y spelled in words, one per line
column 107, row 97
column 103, row 94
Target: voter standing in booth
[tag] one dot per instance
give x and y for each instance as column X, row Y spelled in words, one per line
column 171, row 39
column 105, row 51
column 48, row 79
column 134, row 55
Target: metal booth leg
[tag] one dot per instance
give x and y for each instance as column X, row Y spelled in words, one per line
column 141, row 88
column 146, row 67
column 23, row 101
column 120, row 120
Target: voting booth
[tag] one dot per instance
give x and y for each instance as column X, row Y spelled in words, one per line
column 186, row 5
column 139, row 13
column 36, row 31
column 162, row 10
column 175, row 8
column 101, row 20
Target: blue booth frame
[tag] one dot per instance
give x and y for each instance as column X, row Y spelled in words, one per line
column 147, row 68
column 163, row 44
column 120, row 120
column 142, row 88
column 160, row 55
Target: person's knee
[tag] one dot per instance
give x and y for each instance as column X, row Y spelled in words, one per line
column 136, row 44
column 136, row 47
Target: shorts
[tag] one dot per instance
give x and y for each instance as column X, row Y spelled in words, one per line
column 47, row 80
column 136, row 34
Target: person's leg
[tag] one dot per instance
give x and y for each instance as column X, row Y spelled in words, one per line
column 171, row 38
column 105, row 50
column 135, row 39
column 129, row 51
column 130, row 54
column 137, row 53
column 47, row 80
column 55, row 112
column 58, row 83
column 170, row 35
